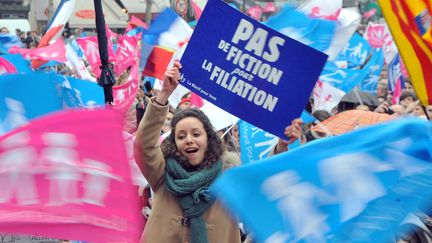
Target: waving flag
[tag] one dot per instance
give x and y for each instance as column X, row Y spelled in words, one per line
column 316, row 33
column 59, row 181
column 6, row 66
column 54, row 52
column 135, row 22
column 347, row 20
column 56, row 26
column 21, row 64
column 75, row 63
column 124, row 95
column 356, row 187
column 356, row 52
column 90, row 47
column 373, row 69
column 167, row 34
column 126, row 54
column 27, row 96
column 410, row 24
column 9, row 40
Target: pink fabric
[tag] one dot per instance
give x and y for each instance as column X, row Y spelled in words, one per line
column 90, row 47
column 124, row 95
column 197, row 10
column 323, row 9
column 397, row 92
column 269, row 8
column 403, row 68
column 67, row 176
column 255, row 12
column 127, row 53
column 196, row 100
column 53, row 52
column 135, row 22
column 6, row 66
column 369, row 13
column 376, row 35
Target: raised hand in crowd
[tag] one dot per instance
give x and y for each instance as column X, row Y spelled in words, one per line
column 293, row 132
column 170, row 82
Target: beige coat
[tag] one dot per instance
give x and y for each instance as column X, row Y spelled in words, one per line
column 165, row 222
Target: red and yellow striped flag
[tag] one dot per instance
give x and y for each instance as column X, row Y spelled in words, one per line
column 410, row 23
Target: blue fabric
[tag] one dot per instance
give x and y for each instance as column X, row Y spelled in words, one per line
column 355, row 187
column 7, row 41
column 374, row 68
column 314, row 32
column 27, row 96
column 21, row 64
column 356, row 52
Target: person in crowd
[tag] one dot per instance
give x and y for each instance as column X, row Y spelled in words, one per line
column 408, row 86
column 292, row 132
column 406, row 98
column 184, row 103
column 429, row 112
column 180, row 172
column 4, row 30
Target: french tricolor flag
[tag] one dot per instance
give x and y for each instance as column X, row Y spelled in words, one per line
column 167, row 34
column 56, row 26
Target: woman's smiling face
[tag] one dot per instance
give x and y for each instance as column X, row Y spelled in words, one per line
column 191, row 139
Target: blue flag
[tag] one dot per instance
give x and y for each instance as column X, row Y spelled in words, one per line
column 356, row 187
column 373, row 68
column 356, row 52
column 346, row 79
column 248, row 69
column 28, row 96
column 21, row 64
column 9, row 40
column 314, row 32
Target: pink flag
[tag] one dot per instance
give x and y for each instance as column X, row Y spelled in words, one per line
column 53, row 52
column 270, row 8
column 67, row 176
column 124, row 95
column 6, row 66
column 377, row 35
column 255, row 12
column 397, row 92
column 135, row 22
column 197, row 10
column 369, row 13
column 196, row 100
column 127, row 53
column 90, row 47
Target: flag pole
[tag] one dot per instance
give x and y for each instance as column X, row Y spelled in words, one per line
column 106, row 78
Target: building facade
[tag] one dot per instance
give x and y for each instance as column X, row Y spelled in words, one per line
column 14, row 9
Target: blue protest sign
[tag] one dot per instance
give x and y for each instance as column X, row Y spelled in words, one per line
column 248, row 69
column 27, row 96
column 256, row 144
column 356, row 187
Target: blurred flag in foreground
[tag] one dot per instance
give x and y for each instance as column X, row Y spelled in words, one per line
column 410, row 25
column 59, row 180
column 356, row 187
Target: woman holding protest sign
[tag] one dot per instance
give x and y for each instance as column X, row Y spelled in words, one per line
column 180, row 172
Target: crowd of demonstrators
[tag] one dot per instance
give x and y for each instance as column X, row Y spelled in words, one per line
column 180, row 171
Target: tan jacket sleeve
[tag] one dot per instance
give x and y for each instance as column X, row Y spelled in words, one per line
column 147, row 151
